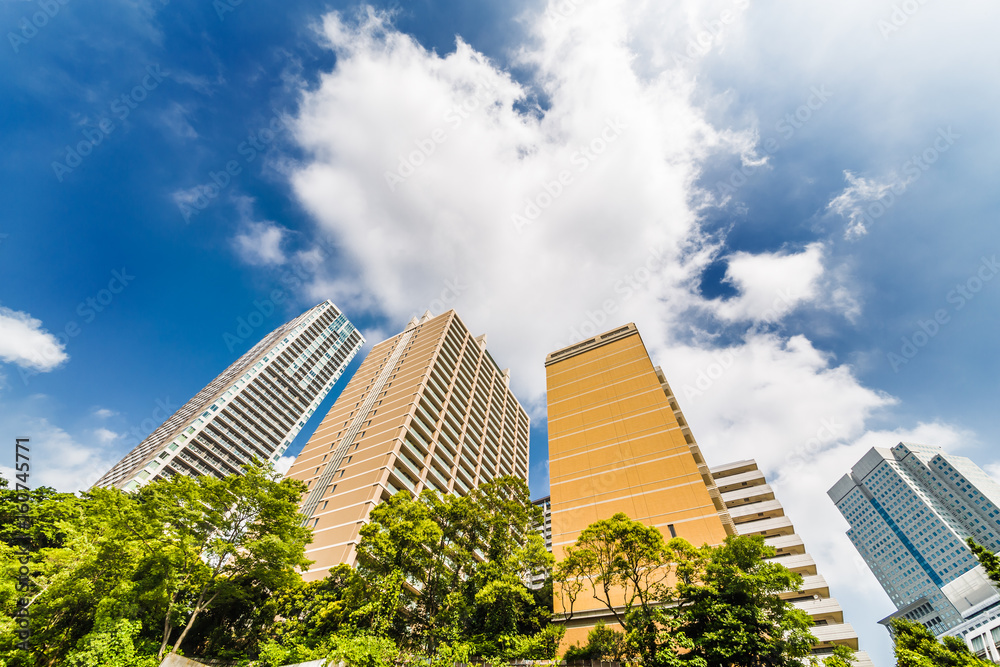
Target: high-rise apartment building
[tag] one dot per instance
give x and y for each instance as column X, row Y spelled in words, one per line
column 618, row 442
column 254, row 409
column 910, row 510
column 428, row 409
column 755, row 510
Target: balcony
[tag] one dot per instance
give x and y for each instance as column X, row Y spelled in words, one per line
column 781, row 525
column 786, row 544
column 840, row 633
column 812, row 585
column 768, row 509
column 799, row 563
column 748, row 494
column 741, row 480
column 823, row 609
column 734, row 468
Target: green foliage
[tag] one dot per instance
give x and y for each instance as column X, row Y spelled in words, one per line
column 176, row 550
column 603, row 643
column 916, row 646
column 113, row 645
column 46, row 510
column 987, row 559
column 678, row 605
column 842, row 656
column 440, row 571
column 363, row 650
column 732, row 613
column 627, row 566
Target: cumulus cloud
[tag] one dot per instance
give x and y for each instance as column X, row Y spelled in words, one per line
column 63, row 462
column 104, row 413
column 863, row 198
column 23, row 341
column 771, row 285
column 440, row 170
column 260, row 243
column 282, row 465
column 106, row 435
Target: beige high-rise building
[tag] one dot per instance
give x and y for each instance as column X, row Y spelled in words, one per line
column 427, row 409
column 618, row 442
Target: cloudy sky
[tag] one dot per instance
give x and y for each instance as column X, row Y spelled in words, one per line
column 796, row 204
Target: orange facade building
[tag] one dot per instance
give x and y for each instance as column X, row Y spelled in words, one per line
column 619, row 443
column 427, row 409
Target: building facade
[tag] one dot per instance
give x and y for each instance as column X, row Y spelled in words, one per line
column 619, row 442
column 254, row 409
column 427, row 409
column 910, row 510
column 616, row 445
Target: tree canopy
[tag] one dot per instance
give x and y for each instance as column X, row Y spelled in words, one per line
column 111, row 568
column 916, row 646
column 986, row 558
column 679, row 605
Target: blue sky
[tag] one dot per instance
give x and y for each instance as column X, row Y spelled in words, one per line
column 797, row 206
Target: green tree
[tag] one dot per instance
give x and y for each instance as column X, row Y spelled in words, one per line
column 161, row 557
column 219, row 538
column 987, row 559
column 112, row 645
column 444, row 571
column 916, row 646
column 628, row 566
column 309, row 614
column 46, row 510
column 603, row 644
column 678, row 605
column 731, row 612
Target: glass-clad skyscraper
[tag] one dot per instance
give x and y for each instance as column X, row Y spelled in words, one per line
column 911, row 509
column 254, row 409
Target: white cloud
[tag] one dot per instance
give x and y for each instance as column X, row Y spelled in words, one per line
column 771, row 285
column 175, row 120
column 24, row 342
column 864, row 198
column 419, row 163
column 58, row 459
column 282, row 465
column 105, row 435
column 104, row 413
column 260, row 243
column 191, row 198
